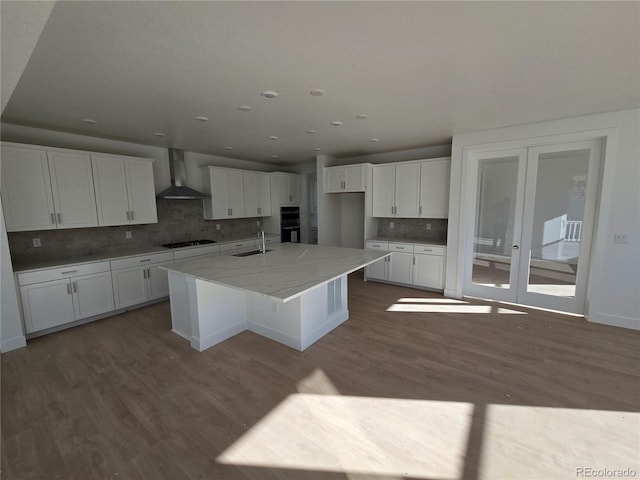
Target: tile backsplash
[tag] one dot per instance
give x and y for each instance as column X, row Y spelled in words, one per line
column 178, row 220
column 413, row 229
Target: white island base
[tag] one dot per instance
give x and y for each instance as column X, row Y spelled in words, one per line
column 207, row 313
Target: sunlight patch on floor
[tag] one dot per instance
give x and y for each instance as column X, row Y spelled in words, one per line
column 429, row 300
column 447, row 308
column 552, row 443
column 360, row 435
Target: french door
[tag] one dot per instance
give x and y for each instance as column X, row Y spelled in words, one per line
column 532, row 211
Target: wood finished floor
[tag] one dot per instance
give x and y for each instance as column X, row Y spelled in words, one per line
column 124, row 398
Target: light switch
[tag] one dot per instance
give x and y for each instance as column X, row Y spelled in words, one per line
column 127, row 234
column 428, row 226
column 620, row 238
column 217, row 226
column 36, row 242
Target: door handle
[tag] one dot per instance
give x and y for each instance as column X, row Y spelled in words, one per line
column 68, row 289
column 59, row 217
column 131, row 214
column 128, row 215
column 53, row 218
column 144, row 273
column 516, row 247
column 75, row 287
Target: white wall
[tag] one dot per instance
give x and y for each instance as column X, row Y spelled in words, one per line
column 614, row 281
column 351, row 219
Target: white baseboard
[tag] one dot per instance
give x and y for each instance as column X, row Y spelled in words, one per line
column 202, row 344
column 275, row 335
column 181, row 334
column 615, row 321
column 13, row 344
column 337, row 319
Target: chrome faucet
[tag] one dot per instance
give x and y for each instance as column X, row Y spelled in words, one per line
column 263, row 245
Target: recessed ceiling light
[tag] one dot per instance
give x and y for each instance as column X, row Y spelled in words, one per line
column 159, row 134
column 374, row 140
column 317, row 149
column 202, row 119
column 269, row 94
column 244, row 108
column 228, row 148
column 311, row 131
column 336, row 123
column 362, row 116
column 89, row 120
column 317, row 92
column 275, row 156
column 273, row 137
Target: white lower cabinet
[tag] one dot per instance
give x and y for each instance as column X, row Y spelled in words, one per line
column 409, row 264
column 62, row 295
column 138, row 279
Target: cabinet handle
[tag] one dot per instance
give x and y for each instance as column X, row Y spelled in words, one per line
column 68, row 272
column 144, row 273
column 59, row 217
column 291, row 198
column 374, row 245
column 145, row 260
column 428, row 250
column 420, row 211
column 414, row 260
column 53, row 218
column 400, row 248
column 259, row 210
column 68, row 289
column 75, row 287
column 132, row 215
column 148, row 273
column 128, row 215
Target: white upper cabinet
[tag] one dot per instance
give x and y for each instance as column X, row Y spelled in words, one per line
column 74, row 197
column 225, row 186
column 395, row 190
column 257, row 194
column 351, row 178
column 26, row 190
column 125, row 192
column 285, row 189
column 44, row 190
column 434, row 188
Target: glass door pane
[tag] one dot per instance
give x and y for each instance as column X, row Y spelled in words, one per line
column 496, row 190
column 559, row 208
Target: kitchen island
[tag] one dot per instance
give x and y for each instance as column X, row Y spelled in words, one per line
column 293, row 294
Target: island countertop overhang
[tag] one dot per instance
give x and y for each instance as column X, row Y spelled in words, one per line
column 284, row 273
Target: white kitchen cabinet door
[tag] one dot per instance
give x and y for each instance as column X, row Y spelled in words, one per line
column 428, row 271
column 129, row 286
column 407, row 184
column 257, row 194
column 400, row 267
column 26, row 190
column 46, row 305
column 354, row 178
column 383, row 190
column 434, row 188
column 157, row 281
column 236, row 194
column 110, row 182
column 141, row 191
column 377, row 270
column 334, row 179
column 74, row 196
column 92, row 294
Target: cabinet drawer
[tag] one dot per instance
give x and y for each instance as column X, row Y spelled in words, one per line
column 141, row 260
column 225, row 247
column 196, row 252
column 429, row 250
column 29, row 278
column 401, row 247
column 377, row 246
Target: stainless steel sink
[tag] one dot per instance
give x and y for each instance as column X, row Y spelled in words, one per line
column 248, row 254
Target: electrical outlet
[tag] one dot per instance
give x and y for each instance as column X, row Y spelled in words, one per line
column 217, row 226
column 620, row 238
column 391, row 225
column 127, row 234
column 36, row 242
column 258, row 222
column 428, row 226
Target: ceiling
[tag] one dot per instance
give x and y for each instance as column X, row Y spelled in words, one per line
column 419, row 71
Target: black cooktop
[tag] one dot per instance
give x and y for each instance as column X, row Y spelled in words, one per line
column 190, row 243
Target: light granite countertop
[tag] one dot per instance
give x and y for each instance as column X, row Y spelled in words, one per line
column 284, row 273
column 115, row 253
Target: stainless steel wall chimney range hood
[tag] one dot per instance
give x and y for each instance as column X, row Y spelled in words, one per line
column 178, row 190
